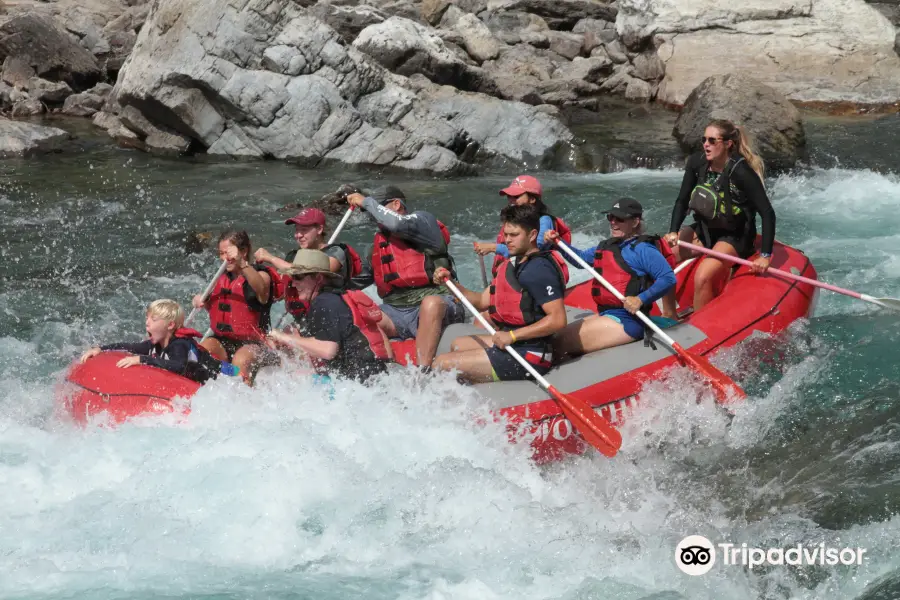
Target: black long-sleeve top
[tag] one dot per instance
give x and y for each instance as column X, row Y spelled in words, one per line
column 173, row 357
column 747, row 183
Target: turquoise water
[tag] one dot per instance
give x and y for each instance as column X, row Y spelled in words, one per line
column 392, row 491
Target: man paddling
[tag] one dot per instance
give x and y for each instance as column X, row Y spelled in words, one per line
column 408, row 247
column 525, row 301
column 343, row 337
column 633, row 264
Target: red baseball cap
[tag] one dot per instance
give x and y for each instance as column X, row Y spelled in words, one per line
column 523, row 184
column 308, row 216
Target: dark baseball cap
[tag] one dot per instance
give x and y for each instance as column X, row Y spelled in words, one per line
column 625, row 208
column 386, row 193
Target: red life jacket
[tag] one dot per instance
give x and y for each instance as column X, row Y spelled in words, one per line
column 353, row 264
column 187, row 332
column 666, row 250
column 396, row 264
column 511, row 304
column 232, row 316
column 203, row 366
column 609, row 263
column 565, row 234
column 293, row 304
column 366, row 316
column 298, row 308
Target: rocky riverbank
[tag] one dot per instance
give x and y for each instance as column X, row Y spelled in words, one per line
column 446, row 86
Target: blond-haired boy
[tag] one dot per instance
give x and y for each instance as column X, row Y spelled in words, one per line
column 170, row 346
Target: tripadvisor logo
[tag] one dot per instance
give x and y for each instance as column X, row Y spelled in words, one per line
column 696, row 555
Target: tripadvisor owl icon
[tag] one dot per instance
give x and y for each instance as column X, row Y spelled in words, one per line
column 695, row 555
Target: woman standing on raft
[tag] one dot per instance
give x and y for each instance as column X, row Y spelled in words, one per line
column 723, row 186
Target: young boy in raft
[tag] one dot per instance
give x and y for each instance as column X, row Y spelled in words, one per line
column 170, row 346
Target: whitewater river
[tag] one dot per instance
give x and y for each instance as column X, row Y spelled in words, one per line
column 394, row 492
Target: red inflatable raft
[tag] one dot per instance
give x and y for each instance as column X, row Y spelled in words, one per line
column 609, row 380
column 99, row 387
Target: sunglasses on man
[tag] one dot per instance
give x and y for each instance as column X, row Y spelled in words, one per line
column 612, row 218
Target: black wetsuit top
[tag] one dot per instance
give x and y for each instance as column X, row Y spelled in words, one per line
column 746, row 187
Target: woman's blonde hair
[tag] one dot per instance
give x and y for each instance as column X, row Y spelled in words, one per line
column 742, row 143
column 168, row 310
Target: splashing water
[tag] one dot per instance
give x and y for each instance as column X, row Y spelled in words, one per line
column 406, row 489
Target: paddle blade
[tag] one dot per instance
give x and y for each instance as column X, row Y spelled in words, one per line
column 595, row 428
column 725, row 387
column 892, row 303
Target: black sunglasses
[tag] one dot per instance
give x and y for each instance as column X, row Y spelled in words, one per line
column 612, row 218
column 712, row 140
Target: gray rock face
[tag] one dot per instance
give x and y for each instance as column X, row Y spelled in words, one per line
column 521, row 71
column 770, row 118
column 348, row 21
column 595, row 32
column 407, row 48
column 592, row 70
column 514, row 21
column 567, row 45
column 433, row 10
column 50, row 92
column 27, row 107
column 564, row 14
column 48, row 51
column 649, row 66
column 83, row 104
column 17, row 72
column 23, row 139
column 478, row 40
column 265, row 78
column 822, row 51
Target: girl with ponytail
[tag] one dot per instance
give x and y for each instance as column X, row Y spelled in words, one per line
column 723, row 187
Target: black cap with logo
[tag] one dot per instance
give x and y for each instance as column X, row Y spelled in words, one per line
column 625, row 208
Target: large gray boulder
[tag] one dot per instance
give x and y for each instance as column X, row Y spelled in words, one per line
column 83, row 104
column 563, row 14
column 520, row 71
column 348, row 21
column 771, row 120
column 23, row 139
column 821, row 51
column 478, row 40
column 267, row 79
column 49, row 52
column 408, row 48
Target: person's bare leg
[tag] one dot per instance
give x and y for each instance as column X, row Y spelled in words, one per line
column 386, row 325
column 387, row 344
column 245, row 358
column 669, row 305
column 589, row 335
column 687, row 234
column 431, row 315
column 473, row 365
column 709, row 275
column 215, row 348
column 470, row 342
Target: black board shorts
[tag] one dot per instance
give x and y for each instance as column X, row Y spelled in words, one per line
column 507, row 368
column 743, row 244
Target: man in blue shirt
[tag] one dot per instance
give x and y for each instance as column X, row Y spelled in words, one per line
column 525, row 302
column 633, row 264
